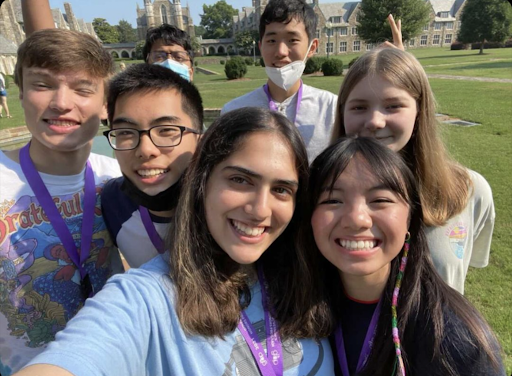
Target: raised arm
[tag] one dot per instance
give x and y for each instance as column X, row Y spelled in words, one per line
column 396, row 30
column 43, row 370
column 37, row 15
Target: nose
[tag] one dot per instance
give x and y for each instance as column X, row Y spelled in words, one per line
column 146, row 148
column 356, row 217
column 282, row 49
column 258, row 206
column 62, row 100
column 375, row 121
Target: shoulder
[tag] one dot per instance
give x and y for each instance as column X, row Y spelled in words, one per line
column 321, row 95
column 113, row 186
column 481, row 187
column 257, row 98
column 104, row 167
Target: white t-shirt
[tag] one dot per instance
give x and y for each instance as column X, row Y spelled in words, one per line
column 314, row 120
column 466, row 239
column 39, row 284
column 131, row 328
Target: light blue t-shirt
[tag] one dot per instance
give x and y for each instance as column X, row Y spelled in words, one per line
column 131, row 328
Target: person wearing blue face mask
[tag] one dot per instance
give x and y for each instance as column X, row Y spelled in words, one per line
column 170, row 47
column 287, row 39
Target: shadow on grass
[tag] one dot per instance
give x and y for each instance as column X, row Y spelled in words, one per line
column 489, row 65
column 452, row 56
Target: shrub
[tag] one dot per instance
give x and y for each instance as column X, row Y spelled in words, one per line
column 262, row 62
column 235, row 68
column 249, row 61
column 476, row 46
column 196, row 63
column 314, row 64
column 257, row 63
column 352, row 61
column 222, row 62
column 332, row 67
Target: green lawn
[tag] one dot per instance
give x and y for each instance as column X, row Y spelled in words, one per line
column 486, row 148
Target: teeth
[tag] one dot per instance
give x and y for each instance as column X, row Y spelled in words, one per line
column 361, row 244
column 152, row 172
column 62, row 123
column 246, row 230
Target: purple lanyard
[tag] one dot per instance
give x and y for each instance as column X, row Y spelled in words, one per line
column 157, row 241
column 55, row 218
column 272, row 105
column 271, row 363
column 367, row 345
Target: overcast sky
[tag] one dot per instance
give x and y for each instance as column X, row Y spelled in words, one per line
column 115, row 10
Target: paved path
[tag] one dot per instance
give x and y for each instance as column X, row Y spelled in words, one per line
column 469, row 78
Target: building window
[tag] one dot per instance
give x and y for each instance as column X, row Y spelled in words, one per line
column 336, row 19
column 458, row 24
column 437, row 39
column 343, row 46
column 317, row 36
column 423, row 40
column 329, row 32
column 369, row 46
column 343, row 30
column 358, row 17
column 354, row 31
column 357, row 45
column 443, row 14
column 448, row 38
column 449, row 26
column 437, row 25
column 425, row 28
column 163, row 11
column 411, row 42
column 329, row 47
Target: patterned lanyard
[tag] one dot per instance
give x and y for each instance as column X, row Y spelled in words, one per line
column 155, row 238
column 271, row 363
column 367, row 345
column 272, row 105
column 46, row 201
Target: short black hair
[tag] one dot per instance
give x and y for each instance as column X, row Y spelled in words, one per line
column 286, row 10
column 147, row 78
column 170, row 35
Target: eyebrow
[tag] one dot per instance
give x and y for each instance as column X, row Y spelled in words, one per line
column 390, row 99
column 339, row 189
column 273, row 33
column 125, row 120
column 46, row 74
column 292, row 183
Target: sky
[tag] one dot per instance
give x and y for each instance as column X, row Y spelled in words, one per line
column 115, row 10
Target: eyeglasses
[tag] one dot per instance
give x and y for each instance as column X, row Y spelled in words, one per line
column 163, row 136
column 179, row 56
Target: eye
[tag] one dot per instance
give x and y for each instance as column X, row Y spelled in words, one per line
column 284, row 191
column 330, row 201
column 238, row 180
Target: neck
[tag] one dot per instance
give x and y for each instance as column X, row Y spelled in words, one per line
column 366, row 288
column 278, row 94
column 163, row 214
column 54, row 162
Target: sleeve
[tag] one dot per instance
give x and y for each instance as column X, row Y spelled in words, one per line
column 483, row 216
column 107, row 211
column 111, row 334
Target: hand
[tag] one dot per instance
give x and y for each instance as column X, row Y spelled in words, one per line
column 396, row 30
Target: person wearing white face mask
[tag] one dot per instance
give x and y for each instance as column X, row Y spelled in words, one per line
column 287, row 29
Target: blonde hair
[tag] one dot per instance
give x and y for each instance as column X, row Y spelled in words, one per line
column 444, row 185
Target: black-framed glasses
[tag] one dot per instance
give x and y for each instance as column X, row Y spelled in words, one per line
column 179, row 56
column 163, row 136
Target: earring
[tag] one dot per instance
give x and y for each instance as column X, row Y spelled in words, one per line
column 394, row 302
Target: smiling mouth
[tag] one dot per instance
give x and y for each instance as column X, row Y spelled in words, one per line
column 357, row 245
column 62, row 123
column 152, row 172
column 246, row 230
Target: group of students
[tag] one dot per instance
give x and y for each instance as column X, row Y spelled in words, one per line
column 302, row 233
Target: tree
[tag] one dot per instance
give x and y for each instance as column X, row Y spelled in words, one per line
column 244, row 39
column 139, row 46
column 196, row 45
column 217, row 19
column 485, row 20
column 106, row 32
column 373, row 25
column 126, row 32
column 199, row 30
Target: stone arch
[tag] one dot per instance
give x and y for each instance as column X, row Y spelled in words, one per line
column 205, row 51
column 211, row 50
column 221, row 50
column 125, row 54
column 114, row 54
column 163, row 13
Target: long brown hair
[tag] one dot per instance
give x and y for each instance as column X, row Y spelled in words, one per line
column 444, row 186
column 425, row 300
column 211, row 288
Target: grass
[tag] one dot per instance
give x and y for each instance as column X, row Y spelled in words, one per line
column 486, row 148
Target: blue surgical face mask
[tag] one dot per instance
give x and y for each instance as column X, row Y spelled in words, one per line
column 179, row 68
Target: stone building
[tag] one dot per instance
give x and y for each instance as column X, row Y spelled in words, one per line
column 158, row 12
column 12, row 33
column 337, row 25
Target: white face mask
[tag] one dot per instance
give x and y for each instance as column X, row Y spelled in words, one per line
column 179, row 68
column 285, row 77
